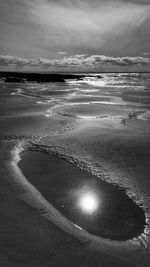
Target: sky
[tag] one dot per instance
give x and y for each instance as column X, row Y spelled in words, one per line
column 75, row 35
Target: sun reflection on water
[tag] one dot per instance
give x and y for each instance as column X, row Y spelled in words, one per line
column 89, row 202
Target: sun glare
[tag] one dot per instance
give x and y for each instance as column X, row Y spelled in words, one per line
column 88, row 203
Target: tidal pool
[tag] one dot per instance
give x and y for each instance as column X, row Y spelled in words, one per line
column 94, row 205
column 93, row 110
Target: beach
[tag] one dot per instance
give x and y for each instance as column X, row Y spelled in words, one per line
column 59, row 141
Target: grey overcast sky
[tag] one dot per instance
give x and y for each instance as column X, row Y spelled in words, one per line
column 75, row 35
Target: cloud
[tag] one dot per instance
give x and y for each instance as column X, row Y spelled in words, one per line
column 61, row 53
column 121, row 61
column 146, row 53
column 75, row 62
column 6, row 60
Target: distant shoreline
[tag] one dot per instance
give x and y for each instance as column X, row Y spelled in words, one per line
column 22, row 77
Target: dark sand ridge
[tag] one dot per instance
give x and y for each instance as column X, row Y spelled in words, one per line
column 28, row 228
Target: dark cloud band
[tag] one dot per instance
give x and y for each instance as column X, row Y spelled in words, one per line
column 77, row 61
